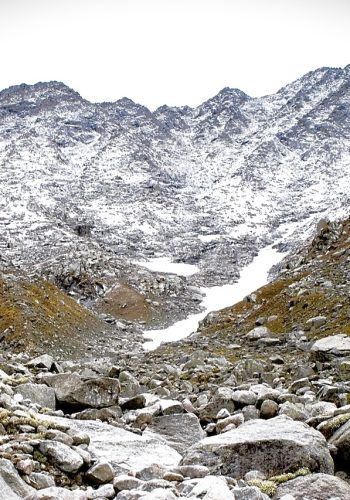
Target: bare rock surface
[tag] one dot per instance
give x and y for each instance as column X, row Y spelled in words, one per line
column 274, row 446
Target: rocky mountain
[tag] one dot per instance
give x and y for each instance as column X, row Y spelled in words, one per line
column 256, row 404
column 207, row 185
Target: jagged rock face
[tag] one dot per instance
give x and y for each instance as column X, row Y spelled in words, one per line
column 144, row 181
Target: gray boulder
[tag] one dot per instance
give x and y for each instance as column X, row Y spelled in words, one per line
column 39, row 394
column 273, row 446
column 61, row 455
column 328, row 347
column 94, row 393
column 55, row 493
column 12, row 487
column 124, row 450
column 315, row 487
column 341, row 439
column 100, row 473
column 97, row 393
column 180, row 430
column 43, row 361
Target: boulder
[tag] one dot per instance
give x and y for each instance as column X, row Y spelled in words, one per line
column 12, row 487
column 315, row 487
column 124, row 450
column 39, row 481
column 43, row 361
column 100, row 473
column 129, row 385
column 39, row 394
column 341, row 439
column 213, row 488
column 180, row 430
column 327, row 348
column 96, row 392
column 273, row 446
column 61, row 456
column 55, row 493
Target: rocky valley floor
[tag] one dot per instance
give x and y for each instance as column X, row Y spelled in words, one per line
column 255, row 405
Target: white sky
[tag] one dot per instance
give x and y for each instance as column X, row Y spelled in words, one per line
column 172, row 52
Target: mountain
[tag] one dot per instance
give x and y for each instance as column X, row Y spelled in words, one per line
column 86, row 184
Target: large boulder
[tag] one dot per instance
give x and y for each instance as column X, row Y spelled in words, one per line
column 329, row 347
column 12, row 487
column 124, row 450
column 39, row 394
column 61, row 455
column 341, row 439
column 96, row 392
column 180, row 430
column 55, row 493
column 315, row 487
column 273, row 446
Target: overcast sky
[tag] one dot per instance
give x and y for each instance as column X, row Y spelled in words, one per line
column 172, row 52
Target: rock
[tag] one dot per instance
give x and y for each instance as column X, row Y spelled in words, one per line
column 327, row 348
column 249, row 493
column 39, row 394
column 25, row 466
column 160, row 494
column 40, row 481
column 129, row 385
column 268, row 409
column 315, row 487
column 135, row 403
column 96, row 393
column 213, row 488
column 44, row 361
column 124, row 450
column 223, row 423
column 244, row 398
column 169, row 406
column 62, row 437
column 273, row 446
column 104, row 491
column 192, row 471
column 221, row 399
column 125, row 482
column 341, row 439
column 223, row 413
column 316, row 322
column 61, row 455
column 64, row 384
column 100, row 473
column 180, row 430
column 153, row 471
column 296, row 411
column 245, row 492
column 54, row 493
column 12, row 487
column 258, row 332
column 344, row 370
column 250, row 412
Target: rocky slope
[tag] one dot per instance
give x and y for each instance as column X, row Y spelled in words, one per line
column 256, row 405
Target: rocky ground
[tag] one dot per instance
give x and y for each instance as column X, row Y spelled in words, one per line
column 255, row 405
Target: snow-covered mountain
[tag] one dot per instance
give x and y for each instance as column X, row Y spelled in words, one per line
column 200, row 185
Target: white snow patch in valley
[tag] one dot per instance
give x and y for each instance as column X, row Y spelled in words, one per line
column 206, row 238
column 164, row 265
column 252, row 277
